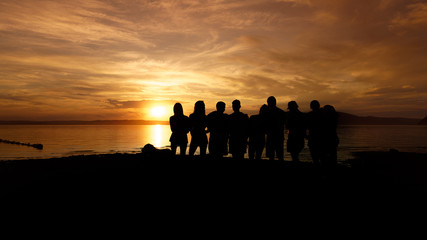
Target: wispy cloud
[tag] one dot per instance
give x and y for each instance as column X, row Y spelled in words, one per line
column 101, row 59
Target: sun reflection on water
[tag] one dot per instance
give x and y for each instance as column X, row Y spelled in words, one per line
column 157, row 136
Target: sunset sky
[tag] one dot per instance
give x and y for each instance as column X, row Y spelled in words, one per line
column 108, row 59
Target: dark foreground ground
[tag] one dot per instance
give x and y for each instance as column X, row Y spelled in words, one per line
column 161, row 185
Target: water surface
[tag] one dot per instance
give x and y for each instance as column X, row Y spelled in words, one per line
column 67, row 140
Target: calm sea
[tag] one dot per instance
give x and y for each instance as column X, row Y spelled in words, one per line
column 67, row 140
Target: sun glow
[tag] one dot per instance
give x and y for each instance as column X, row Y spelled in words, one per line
column 158, row 111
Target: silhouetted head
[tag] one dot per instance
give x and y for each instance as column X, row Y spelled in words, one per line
column 315, row 105
column 199, row 107
column 148, row 149
column 329, row 109
column 263, row 109
column 220, row 106
column 330, row 113
column 177, row 109
column 292, row 105
column 236, row 105
column 271, row 101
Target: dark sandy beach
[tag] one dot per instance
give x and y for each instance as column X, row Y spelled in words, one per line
column 157, row 188
column 138, row 175
column 184, row 193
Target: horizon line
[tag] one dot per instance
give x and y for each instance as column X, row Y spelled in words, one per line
column 93, row 122
column 166, row 122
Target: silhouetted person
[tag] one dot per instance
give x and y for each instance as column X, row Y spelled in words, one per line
column 331, row 140
column 295, row 123
column 257, row 131
column 238, row 124
column 149, row 152
column 217, row 127
column 275, row 130
column 315, row 132
column 180, row 126
column 198, row 123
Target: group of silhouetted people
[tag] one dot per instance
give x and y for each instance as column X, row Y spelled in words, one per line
column 237, row 133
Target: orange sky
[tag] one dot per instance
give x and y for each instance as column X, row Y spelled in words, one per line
column 90, row 60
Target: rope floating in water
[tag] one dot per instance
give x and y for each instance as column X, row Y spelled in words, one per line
column 38, row 146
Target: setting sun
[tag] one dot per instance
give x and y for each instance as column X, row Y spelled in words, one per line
column 158, row 111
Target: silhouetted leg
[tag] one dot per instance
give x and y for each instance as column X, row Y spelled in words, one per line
column 315, row 156
column 251, row 152
column 270, row 151
column 203, row 150
column 280, row 151
column 183, row 149
column 269, row 148
column 192, row 149
column 211, row 148
column 295, row 156
column 330, row 161
column 173, row 148
column 258, row 153
column 260, row 149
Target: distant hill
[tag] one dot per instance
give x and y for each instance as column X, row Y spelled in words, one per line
column 350, row 119
column 423, row 122
column 97, row 122
column 344, row 119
